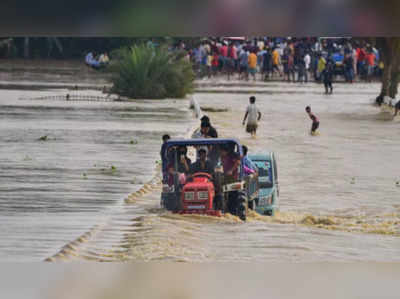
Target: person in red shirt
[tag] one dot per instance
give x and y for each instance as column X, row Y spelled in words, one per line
column 370, row 62
column 215, row 63
column 360, row 53
column 224, row 50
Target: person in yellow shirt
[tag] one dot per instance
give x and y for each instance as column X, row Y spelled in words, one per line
column 275, row 62
column 253, row 65
column 321, row 66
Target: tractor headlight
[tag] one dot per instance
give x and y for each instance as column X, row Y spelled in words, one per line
column 189, row 195
column 203, row 195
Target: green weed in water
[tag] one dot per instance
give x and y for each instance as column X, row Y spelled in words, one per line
column 43, row 138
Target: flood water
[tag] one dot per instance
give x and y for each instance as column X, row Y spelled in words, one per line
column 93, row 155
column 339, row 198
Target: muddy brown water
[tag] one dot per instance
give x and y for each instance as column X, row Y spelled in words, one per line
column 53, row 190
column 339, row 198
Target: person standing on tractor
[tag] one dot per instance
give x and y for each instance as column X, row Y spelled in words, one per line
column 163, row 152
column 207, row 131
column 211, row 132
column 248, row 165
column 253, row 115
column 230, row 163
column 315, row 121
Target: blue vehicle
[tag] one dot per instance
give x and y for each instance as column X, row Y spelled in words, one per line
column 338, row 64
column 268, row 201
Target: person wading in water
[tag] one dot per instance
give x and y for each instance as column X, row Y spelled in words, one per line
column 315, row 121
column 253, row 115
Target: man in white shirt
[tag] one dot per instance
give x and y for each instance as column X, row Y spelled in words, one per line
column 253, row 115
column 307, row 61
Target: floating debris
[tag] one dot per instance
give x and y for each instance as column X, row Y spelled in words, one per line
column 43, row 138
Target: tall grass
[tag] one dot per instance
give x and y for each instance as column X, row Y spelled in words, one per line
column 152, row 73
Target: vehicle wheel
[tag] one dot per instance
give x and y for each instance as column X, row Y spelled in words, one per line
column 242, row 211
column 218, row 202
column 268, row 213
column 171, row 203
column 242, row 207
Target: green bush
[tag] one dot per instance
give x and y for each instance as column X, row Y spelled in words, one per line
column 144, row 72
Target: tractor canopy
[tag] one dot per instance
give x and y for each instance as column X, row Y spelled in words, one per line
column 202, row 142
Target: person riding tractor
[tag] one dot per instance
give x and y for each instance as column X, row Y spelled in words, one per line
column 204, row 189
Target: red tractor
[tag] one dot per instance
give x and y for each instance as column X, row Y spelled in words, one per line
column 203, row 193
column 198, row 196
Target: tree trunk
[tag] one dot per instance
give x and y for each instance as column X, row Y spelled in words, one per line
column 390, row 51
column 395, row 75
column 394, row 81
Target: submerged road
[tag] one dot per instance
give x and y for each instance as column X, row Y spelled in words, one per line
column 339, row 198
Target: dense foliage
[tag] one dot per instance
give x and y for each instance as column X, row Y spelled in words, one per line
column 142, row 71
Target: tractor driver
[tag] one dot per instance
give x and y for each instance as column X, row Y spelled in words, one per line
column 201, row 165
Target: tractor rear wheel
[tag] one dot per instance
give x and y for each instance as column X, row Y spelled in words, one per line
column 241, row 206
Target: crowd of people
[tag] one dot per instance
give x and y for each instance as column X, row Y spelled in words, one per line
column 289, row 59
column 97, row 61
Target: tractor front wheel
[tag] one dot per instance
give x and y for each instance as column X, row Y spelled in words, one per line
column 219, row 202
